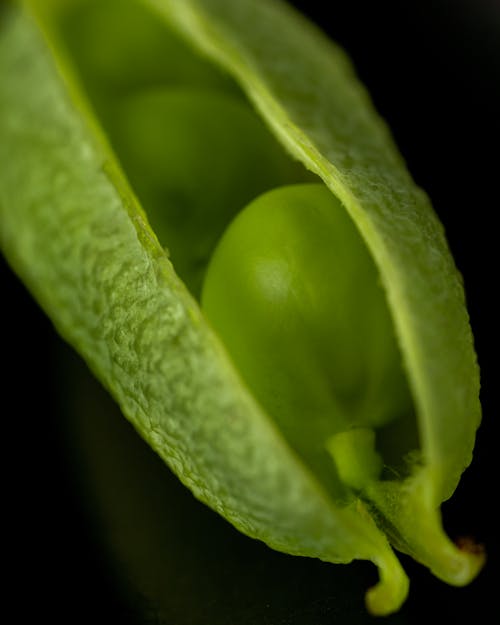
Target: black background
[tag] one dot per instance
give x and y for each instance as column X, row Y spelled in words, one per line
column 433, row 69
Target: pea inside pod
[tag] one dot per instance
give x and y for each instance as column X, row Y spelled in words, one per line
column 118, row 45
column 383, row 444
column 195, row 156
column 295, row 296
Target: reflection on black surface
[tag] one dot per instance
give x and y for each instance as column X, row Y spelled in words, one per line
column 176, row 559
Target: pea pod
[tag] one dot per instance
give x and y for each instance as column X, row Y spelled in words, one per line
column 75, row 232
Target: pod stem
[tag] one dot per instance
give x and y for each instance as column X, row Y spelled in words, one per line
column 391, row 590
column 387, row 596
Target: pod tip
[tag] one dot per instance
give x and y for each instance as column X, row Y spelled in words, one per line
column 469, row 558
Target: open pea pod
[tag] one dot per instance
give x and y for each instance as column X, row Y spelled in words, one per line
column 74, row 230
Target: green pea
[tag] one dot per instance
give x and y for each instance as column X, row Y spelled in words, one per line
column 295, row 296
column 194, row 157
column 121, row 48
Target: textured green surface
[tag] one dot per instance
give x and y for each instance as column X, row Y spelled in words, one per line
column 72, row 230
column 306, row 88
column 88, row 255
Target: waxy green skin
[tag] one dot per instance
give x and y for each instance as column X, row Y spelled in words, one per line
column 75, row 232
column 295, row 296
